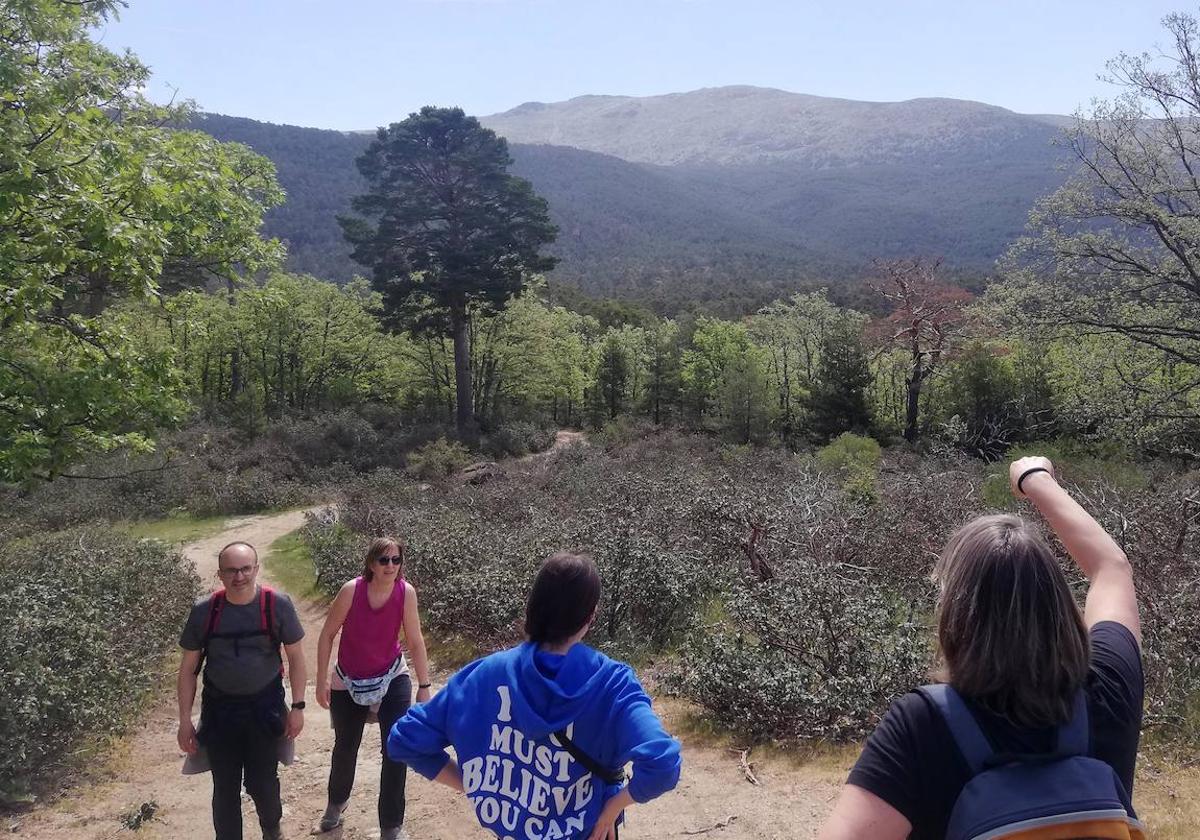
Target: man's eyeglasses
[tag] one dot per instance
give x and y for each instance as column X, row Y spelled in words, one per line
column 395, row 560
column 244, row 571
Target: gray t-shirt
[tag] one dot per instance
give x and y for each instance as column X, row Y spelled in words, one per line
column 246, row 665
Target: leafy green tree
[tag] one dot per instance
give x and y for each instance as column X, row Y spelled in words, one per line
column 1116, row 251
column 530, row 359
column 793, row 332
column 663, row 358
column 744, row 397
column 724, row 376
column 981, row 395
column 613, row 372
column 446, row 230
column 837, row 402
column 99, row 201
column 303, row 344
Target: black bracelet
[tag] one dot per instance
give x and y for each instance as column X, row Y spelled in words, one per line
column 1026, row 475
column 298, row 705
column 424, row 685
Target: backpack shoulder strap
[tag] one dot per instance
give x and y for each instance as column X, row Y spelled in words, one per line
column 1074, row 736
column 215, row 602
column 612, row 777
column 266, row 612
column 971, row 741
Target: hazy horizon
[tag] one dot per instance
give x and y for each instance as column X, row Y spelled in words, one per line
column 375, row 61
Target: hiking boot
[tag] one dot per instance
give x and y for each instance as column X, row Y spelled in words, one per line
column 332, row 817
column 396, row 833
column 275, row 833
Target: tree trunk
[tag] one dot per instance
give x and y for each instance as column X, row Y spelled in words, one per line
column 913, row 401
column 464, row 413
column 235, row 366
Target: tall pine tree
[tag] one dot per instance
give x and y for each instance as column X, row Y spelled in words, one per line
column 446, row 230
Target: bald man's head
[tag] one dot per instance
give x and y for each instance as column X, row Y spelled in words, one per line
column 236, row 552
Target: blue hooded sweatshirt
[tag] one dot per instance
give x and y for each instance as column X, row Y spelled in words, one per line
column 500, row 712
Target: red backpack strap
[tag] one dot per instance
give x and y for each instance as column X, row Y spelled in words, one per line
column 267, row 614
column 216, row 602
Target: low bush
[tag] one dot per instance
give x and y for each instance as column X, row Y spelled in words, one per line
column 856, row 459
column 680, row 533
column 438, row 459
column 517, row 439
column 782, row 599
column 817, row 653
column 86, row 619
column 208, row 469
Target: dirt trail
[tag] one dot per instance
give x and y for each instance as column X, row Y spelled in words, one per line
column 788, row 803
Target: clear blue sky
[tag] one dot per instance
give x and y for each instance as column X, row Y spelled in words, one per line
column 353, row 64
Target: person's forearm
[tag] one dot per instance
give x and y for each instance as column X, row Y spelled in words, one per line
column 298, row 673
column 420, row 659
column 620, row 802
column 185, row 690
column 450, row 776
column 1089, row 545
column 324, row 650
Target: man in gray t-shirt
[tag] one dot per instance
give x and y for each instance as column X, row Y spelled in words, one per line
column 242, row 713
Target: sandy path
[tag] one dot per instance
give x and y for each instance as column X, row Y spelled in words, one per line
column 787, row 804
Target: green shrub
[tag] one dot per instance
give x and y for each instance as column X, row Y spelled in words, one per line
column 857, row 459
column 817, row 654
column 86, row 619
column 517, row 439
column 337, row 553
column 438, row 459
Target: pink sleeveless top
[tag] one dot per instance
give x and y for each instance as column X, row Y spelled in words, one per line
column 370, row 640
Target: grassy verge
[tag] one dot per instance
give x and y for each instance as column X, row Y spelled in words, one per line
column 289, row 562
column 175, row 529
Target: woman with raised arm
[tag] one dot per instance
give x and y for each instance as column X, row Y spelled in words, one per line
column 1033, row 690
column 543, row 731
column 371, row 676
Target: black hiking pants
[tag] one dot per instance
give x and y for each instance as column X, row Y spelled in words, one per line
column 242, row 740
column 349, row 719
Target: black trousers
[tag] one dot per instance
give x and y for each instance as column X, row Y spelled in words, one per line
column 243, row 752
column 349, row 718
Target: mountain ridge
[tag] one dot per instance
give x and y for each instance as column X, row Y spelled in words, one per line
column 767, row 207
column 741, row 124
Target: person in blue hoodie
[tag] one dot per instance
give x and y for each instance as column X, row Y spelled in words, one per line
column 543, row 731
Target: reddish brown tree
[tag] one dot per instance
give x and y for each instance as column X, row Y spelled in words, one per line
column 927, row 316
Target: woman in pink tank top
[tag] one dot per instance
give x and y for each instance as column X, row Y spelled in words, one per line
column 371, row 677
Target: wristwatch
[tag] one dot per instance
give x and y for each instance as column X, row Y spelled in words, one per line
column 298, row 705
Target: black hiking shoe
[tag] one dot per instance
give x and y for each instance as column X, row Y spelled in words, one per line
column 332, row 817
column 275, row 833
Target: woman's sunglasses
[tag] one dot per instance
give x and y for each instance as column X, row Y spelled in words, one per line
column 395, row 560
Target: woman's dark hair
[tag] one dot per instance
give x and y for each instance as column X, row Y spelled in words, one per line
column 564, row 597
column 1011, row 634
column 378, row 548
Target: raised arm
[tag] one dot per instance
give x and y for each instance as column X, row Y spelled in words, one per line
column 1111, row 595
column 334, row 620
column 415, row 641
